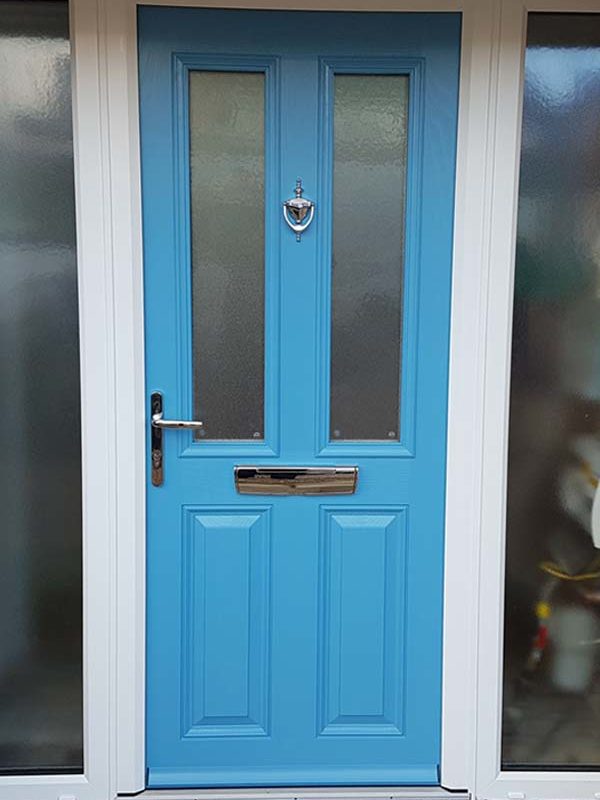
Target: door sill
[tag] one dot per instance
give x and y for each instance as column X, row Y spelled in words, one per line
column 307, row 793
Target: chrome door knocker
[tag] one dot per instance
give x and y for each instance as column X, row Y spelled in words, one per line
column 298, row 211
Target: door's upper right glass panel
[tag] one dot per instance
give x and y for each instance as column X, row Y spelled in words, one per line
column 552, row 611
column 370, row 131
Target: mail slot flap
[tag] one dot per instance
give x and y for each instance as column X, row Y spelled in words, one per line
column 296, row 480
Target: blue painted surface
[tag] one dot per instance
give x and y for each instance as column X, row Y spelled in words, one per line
column 297, row 640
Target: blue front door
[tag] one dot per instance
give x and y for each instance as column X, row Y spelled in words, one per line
column 294, row 616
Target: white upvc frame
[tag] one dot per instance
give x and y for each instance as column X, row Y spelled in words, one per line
column 468, row 326
column 491, row 782
column 114, row 403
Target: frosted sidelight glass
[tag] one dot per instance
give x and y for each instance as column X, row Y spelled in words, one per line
column 369, row 191
column 40, row 494
column 228, row 243
column 552, row 603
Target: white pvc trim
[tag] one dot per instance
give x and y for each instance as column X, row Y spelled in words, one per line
column 119, row 50
column 465, row 418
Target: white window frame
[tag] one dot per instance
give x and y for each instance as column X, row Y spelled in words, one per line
column 491, row 782
column 108, row 201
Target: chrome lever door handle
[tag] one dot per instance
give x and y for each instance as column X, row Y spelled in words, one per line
column 157, row 425
column 170, row 424
column 158, row 421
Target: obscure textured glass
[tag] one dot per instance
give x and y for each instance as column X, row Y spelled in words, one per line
column 552, row 629
column 40, row 494
column 228, row 234
column 369, row 191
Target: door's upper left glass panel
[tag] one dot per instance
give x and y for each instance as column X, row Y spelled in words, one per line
column 41, row 697
column 227, row 163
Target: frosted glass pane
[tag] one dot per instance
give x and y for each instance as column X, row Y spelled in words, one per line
column 40, row 495
column 228, row 234
column 552, row 634
column 369, row 191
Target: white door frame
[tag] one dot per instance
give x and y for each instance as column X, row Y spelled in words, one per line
column 466, row 369
column 110, row 270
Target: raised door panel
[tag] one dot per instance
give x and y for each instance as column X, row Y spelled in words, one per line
column 363, row 584
column 226, row 564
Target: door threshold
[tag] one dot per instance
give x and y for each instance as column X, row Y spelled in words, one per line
column 307, row 793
